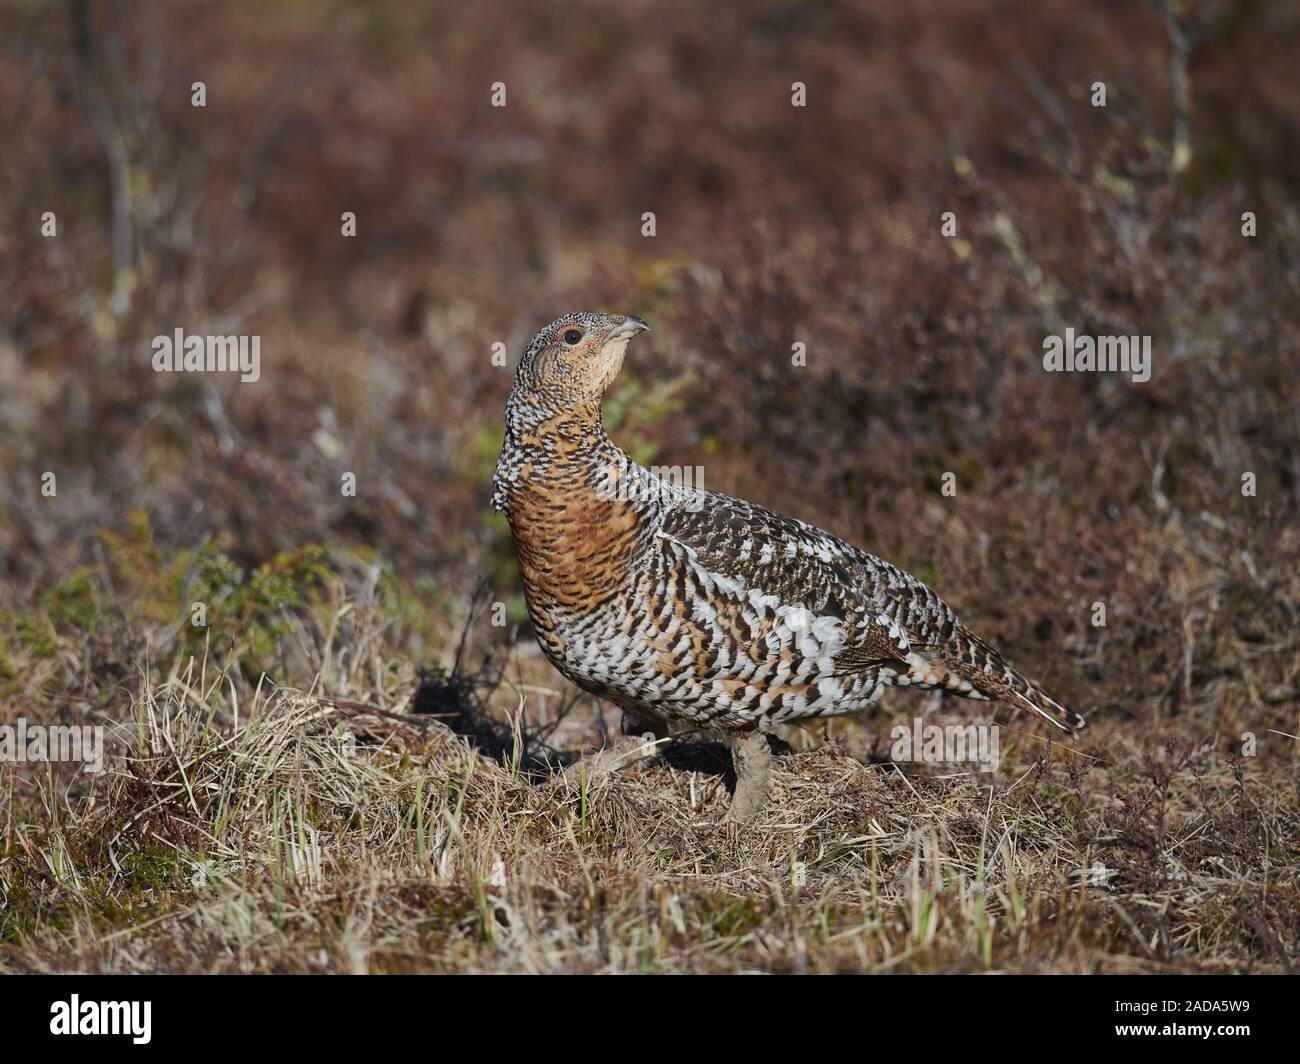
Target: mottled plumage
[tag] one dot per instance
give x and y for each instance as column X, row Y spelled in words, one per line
column 686, row 605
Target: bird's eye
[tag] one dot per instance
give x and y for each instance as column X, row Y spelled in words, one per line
column 572, row 336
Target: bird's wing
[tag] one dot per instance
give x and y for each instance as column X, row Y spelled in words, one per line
column 890, row 621
column 774, row 567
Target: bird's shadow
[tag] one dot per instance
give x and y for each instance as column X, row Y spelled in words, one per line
column 458, row 700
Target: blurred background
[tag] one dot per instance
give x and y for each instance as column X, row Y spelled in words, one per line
column 775, row 224
column 180, row 564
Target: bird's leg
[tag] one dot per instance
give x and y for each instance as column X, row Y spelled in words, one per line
column 628, row 751
column 752, row 759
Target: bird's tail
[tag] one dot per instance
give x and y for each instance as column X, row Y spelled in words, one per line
column 970, row 659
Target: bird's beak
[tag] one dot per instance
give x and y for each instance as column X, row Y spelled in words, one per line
column 630, row 327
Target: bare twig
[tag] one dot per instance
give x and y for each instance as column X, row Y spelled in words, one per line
column 109, row 133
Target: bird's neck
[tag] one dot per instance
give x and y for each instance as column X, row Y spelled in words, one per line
column 577, row 509
column 561, row 449
column 540, row 421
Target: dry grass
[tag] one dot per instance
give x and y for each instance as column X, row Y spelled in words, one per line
column 246, row 830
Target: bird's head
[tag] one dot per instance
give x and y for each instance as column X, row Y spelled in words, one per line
column 573, row 360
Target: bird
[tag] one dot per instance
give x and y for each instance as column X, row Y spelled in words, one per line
column 693, row 610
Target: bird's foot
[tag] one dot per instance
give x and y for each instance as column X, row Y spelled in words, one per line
column 751, row 756
column 591, row 768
